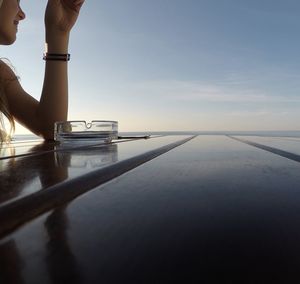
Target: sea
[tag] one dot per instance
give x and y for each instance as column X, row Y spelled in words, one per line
column 19, row 137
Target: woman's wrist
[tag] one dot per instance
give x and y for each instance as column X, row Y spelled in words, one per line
column 57, row 43
column 56, row 56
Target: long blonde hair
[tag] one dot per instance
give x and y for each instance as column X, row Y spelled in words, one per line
column 4, row 111
column 4, row 135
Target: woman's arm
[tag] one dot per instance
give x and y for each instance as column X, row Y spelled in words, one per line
column 39, row 117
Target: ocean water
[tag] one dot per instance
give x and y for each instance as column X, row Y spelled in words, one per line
column 240, row 133
column 19, row 137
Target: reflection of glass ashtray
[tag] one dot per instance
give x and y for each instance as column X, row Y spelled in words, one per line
column 93, row 157
column 97, row 130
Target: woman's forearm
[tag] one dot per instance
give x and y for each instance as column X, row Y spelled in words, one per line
column 53, row 104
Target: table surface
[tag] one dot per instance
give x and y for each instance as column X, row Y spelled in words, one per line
column 189, row 209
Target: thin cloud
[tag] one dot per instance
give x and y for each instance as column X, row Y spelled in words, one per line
column 198, row 91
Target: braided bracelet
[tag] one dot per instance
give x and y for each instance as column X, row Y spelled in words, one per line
column 56, row 56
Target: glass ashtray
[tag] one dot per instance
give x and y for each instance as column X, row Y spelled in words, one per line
column 81, row 131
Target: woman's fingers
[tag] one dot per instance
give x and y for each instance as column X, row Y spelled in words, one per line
column 73, row 4
column 78, row 2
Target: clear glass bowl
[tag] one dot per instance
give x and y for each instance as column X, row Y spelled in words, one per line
column 77, row 130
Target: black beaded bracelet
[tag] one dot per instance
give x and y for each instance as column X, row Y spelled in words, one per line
column 56, row 56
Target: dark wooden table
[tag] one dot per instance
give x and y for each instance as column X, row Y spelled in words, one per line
column 187, row 209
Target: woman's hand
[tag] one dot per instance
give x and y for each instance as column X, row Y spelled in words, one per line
column 61, row 15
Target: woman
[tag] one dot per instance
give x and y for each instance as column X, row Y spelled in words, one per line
column 15, row 103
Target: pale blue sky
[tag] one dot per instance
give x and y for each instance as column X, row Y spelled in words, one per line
column 175, row 64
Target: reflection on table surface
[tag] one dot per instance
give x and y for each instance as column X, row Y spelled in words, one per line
column 20, row 176
column 212, row 210
column 41, row 165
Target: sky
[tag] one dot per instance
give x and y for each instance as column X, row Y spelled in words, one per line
column 174, row 65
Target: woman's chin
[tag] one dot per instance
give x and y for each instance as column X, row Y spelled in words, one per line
column 7, row 39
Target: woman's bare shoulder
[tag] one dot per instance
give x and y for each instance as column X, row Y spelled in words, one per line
column 6, row 70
